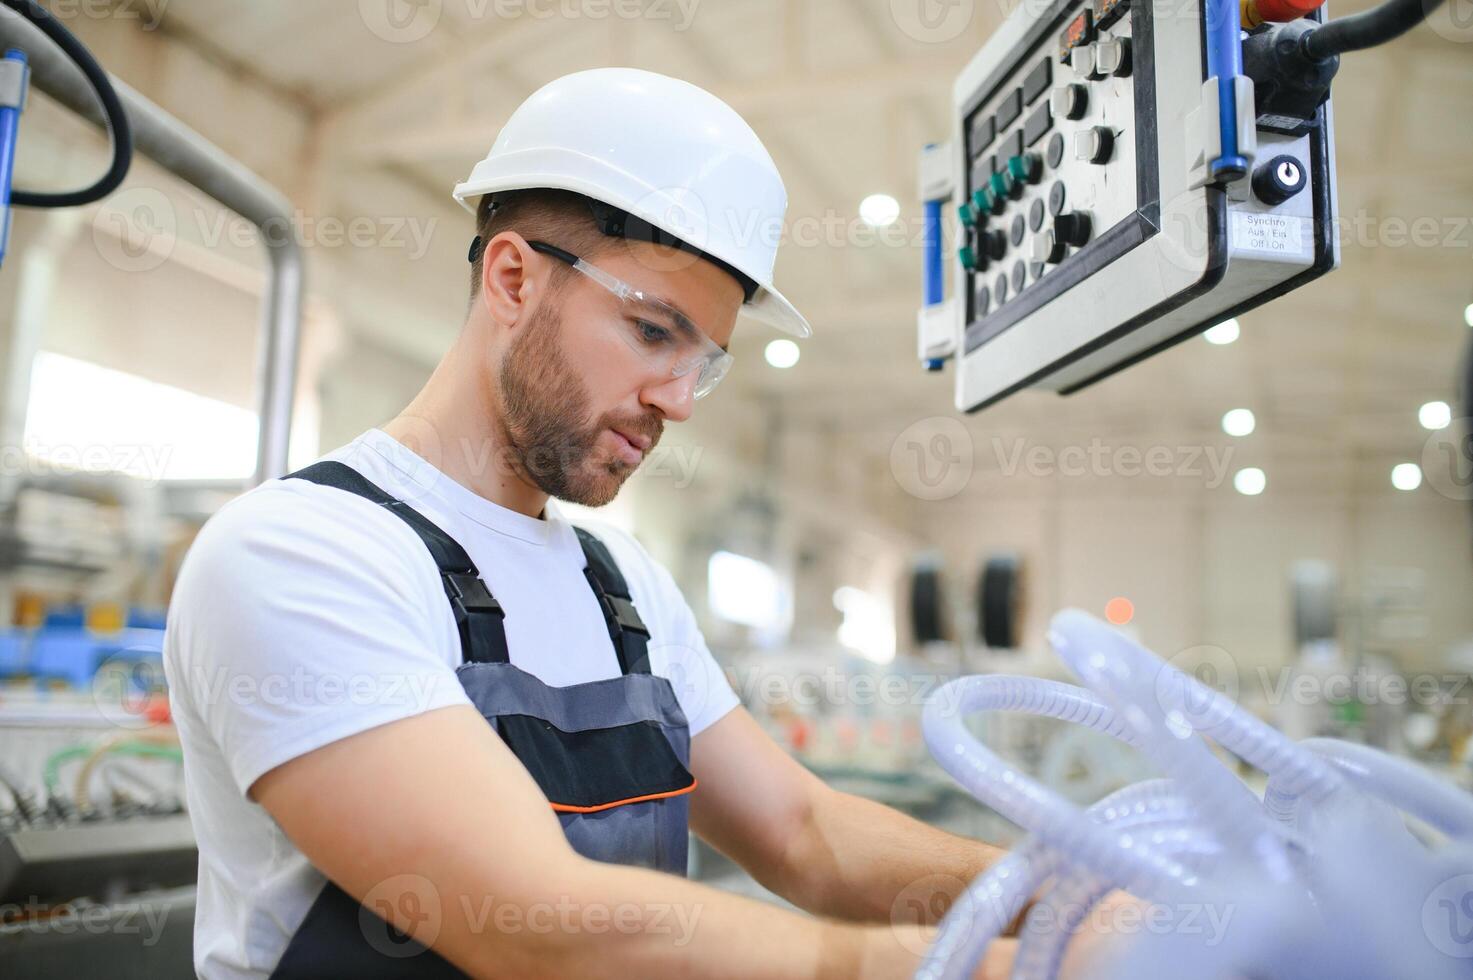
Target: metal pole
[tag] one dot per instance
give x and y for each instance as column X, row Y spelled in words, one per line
column 197, row 161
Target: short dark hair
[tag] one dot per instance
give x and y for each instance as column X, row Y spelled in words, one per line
column 561, row 218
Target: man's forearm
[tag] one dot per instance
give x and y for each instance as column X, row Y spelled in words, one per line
column 857, row 858
column 620, row 921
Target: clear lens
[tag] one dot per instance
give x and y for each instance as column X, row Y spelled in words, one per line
column 662, row 335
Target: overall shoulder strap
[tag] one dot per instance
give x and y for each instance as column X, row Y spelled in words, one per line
column 627, row 631
column 478, row 616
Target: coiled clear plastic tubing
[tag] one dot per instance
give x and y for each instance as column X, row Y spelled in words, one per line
column 1200, row 835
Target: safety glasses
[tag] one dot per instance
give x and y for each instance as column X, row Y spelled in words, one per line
column 662, row 335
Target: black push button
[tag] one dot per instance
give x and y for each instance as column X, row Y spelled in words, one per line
column 1072, row 228
column 994, row 244
column 1009, row 109
column 1037, row 124
column 1036, row 83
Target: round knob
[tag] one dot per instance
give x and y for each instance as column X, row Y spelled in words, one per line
column 1279, row 179
column 1093, row 145
column 1072, row 228
column 1069, row 101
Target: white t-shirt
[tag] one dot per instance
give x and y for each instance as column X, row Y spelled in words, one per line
column 304, row 615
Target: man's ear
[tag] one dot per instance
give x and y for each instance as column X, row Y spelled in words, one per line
column 509, row 286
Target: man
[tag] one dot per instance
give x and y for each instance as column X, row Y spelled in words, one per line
column 408, row 690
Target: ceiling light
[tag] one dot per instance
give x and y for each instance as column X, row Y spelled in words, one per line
column 1224, row 333
column 879, row 210
column 1250, row 481
column 782, row 353
column 1238, row 422
column 1435, row 415
column 1406, row 476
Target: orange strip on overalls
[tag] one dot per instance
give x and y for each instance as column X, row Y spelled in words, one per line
column 570, row 808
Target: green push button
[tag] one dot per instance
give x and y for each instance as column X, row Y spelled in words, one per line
column 1002, row 186
column 968, row 257
column 994, row 203
column 1024, row 169
column 965, row 214
column 980, row 204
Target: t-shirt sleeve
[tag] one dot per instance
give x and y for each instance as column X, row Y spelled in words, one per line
column 678, row 649
column 306, row 615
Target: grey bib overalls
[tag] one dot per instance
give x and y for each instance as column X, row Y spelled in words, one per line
column 610, row 755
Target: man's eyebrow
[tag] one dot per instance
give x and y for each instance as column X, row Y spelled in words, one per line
column 686, row 324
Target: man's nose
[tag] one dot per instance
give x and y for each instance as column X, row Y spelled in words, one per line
column 674, row 398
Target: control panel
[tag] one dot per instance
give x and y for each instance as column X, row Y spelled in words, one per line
column 1112, row 196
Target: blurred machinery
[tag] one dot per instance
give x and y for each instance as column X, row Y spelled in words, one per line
column 97, row 857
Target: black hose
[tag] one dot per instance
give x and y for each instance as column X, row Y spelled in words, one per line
column 1366, row 30
column 112, row 110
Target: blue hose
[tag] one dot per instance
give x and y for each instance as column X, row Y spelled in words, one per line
column 932, row 245
column 1225, row 63
column 9, row 127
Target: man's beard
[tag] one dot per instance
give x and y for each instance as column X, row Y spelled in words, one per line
column 545, row 419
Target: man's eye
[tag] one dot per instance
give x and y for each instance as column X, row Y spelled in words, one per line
column 652, row 333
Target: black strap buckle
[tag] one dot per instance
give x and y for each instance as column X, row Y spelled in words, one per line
column 622, row 611
column 468, row 594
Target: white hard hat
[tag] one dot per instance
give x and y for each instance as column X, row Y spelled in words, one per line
column 662, row 150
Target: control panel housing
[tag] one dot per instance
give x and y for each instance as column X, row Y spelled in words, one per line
column 1090, row 230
